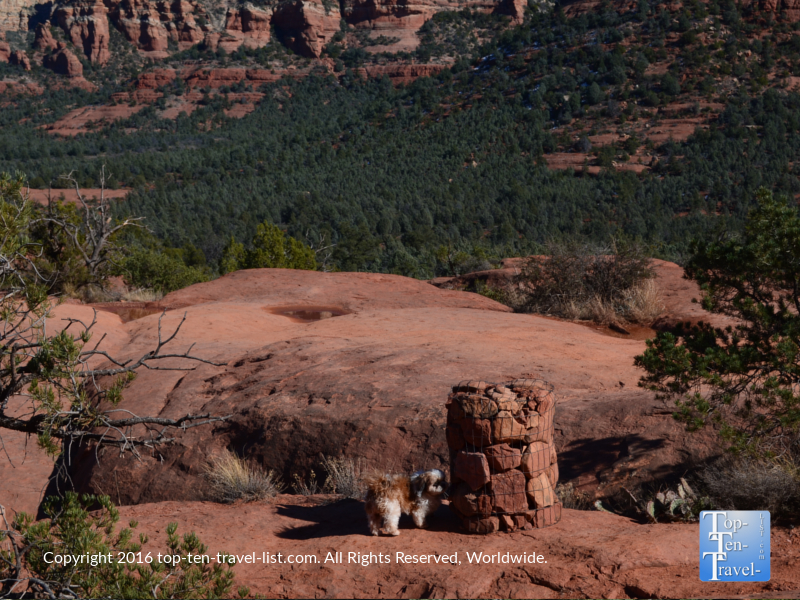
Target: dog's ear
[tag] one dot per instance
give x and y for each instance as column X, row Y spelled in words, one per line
column 419, row 484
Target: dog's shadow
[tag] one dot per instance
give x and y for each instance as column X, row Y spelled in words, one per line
column 347, row 517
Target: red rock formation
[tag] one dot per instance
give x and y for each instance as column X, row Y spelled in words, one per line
column 141, row 25
column 259, row 76
column 150, row 24
column 226, row 40
column 44, row 39
column 589, row 554
column 250, row 24
column 401, row 73
column 144, row 96
column 366, row 384
column 402, row 18
column 18, row 57
column 403, row 14
column 14, row 14
column 15, row 87
column 155, row 79
column 85, row 22
column 63, row 62
column 789, row 8
column 80, row 120
column 215, row 78
column 513, row 8
column 306, row 26
column 5, row 49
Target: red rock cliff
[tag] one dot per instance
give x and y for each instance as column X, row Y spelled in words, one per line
column 44, row 39
column 149, row 25
column 5, row 49
column 85, row 22
column 63, row 62
column 307, row 25
column 249, row 24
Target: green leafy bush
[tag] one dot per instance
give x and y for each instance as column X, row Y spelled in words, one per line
column 86, row 526
column 744, row 378
column 147, row 268
column 270, row 248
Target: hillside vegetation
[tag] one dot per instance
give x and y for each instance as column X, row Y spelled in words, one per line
column 391, row 174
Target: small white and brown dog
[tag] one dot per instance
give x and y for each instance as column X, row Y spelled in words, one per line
column 389, row 496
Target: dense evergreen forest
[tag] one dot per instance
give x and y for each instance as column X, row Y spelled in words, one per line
column 391, row 175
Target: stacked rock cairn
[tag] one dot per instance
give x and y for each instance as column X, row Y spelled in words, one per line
column 502, row 457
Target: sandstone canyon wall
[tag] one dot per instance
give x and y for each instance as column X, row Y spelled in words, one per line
column 13, row 14
column 305, row 26
column 86, row 25
column 150, row 25
column 249, row 23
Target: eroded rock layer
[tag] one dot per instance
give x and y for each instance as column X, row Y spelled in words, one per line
column 305, row 26
column 371, row 383
column 86, row 25
column 14, row 14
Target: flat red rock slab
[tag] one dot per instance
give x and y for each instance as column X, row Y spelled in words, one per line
column 589, row 554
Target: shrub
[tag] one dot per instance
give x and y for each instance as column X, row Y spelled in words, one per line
column 579, row 281
column 155, row 270
column 670, row 85
column 657, row 501
column 742, row 483
column 743, row 379
column 142, row 295
column 345, row 477
column 270, row 248
column 231, row 479
column 570, row 498
column 594, row 94
column 451, row 261
column 86, row 525
column 643, row 302
column 306, row 489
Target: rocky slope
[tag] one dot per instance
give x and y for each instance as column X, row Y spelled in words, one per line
column 371, row 383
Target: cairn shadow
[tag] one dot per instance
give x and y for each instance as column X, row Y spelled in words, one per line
column 347, row 518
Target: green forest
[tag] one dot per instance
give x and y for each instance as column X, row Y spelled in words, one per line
column 391, row 174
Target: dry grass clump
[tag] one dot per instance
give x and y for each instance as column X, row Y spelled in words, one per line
column 232, row 479
column 345, row 477
column 584, row 282
column 643, row 303
column 306, row 488
column 90, row 294
column 142, row 295
column 738, row 483
column 569, row 498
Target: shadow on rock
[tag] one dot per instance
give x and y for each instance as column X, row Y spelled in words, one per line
column 619, row 455
column 347, row 517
